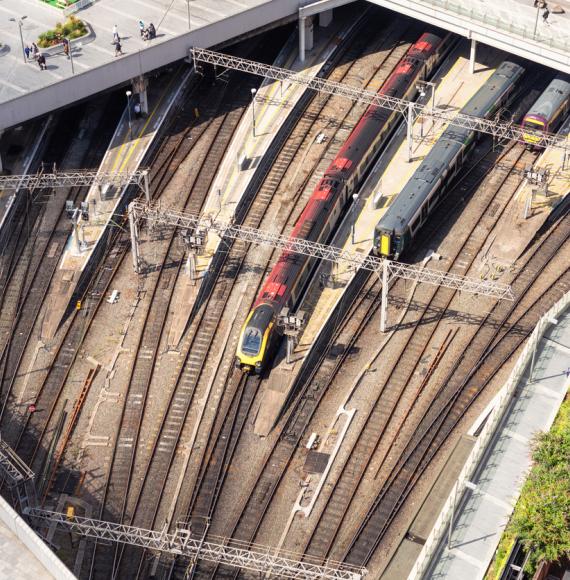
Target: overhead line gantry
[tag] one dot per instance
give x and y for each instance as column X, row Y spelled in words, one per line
column 411, row 110
column 262, row 559
column 387, row 269
column 78, row 178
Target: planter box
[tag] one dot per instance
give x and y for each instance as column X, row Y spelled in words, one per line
column 57, row 48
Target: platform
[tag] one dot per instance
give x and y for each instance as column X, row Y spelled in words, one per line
column 18, row 149
column 129, row 145
column 515, row 26
column 273, row 104
column 23, row 555
column 482, row 517
column 455, row 86
column 27, row 92
column 512, row 240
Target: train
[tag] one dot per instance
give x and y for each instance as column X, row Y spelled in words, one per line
column 548, row 112
column 427, row 186
column 259, row 335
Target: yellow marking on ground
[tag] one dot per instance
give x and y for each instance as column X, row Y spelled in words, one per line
column 134, row 143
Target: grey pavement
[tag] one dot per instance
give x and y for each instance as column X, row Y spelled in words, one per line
column 486, row 510
column 170, row 19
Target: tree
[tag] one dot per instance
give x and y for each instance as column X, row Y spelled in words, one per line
column 542, row 515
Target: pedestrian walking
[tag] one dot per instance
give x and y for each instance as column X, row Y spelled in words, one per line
column 536, row 3
column 42, row 62
column 118, row 49
column 66, row 47
column 35, row 50
column 141, row 28
column 545, row 15
column 27, row 50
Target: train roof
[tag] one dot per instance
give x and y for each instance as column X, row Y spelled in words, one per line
column 411, row 198
column 555, row 94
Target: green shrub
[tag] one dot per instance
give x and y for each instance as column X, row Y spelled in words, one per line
column 72, row 28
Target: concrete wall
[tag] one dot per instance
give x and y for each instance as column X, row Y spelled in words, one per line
column 33, row 543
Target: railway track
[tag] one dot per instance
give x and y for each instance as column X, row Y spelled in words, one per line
column 169, row 424
column 45, row 250
column 489, row 207
column 123, row 473
column 491, row 346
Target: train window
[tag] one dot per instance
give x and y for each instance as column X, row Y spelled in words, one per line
column 251, row 341
column 414, row 224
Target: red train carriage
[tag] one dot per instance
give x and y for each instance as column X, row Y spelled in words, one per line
column 323, row 209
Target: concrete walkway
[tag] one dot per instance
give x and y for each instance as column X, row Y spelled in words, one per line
column 27, row 92
column 486, row 509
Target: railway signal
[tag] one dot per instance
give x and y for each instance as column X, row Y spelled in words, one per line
column 292, row 324
column 387, row 269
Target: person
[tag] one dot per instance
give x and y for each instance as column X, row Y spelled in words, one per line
column 151, row 31
column 66, row 47
column 118, row 49
column 545, row 15
column 137, row 109
column 141, row 28
column 35, row 50
column 27, row 51
column 42, row 62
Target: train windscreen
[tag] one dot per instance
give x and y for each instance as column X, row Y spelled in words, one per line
column 251, row 341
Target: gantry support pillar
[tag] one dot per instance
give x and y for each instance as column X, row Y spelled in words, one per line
column 134, row 239
column 325, row 18
column 305, row 36
column 472, row 56
column 140, row 85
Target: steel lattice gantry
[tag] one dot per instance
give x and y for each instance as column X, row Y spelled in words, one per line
column 385, row 268
column 220, row 550
column 76, row 178
column 408, row 108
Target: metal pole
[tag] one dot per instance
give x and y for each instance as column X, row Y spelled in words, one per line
column 536, row 21
column 354, row 199
column 289, row 348
column 384, row 307
column 188, row 6
column 134, row 239
column 71, row 58
column 409, row 136
column 129, row 93
column 76, row 231
column 22, row 41
column 450, row 531
column 253, row 91
column 535, row 346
